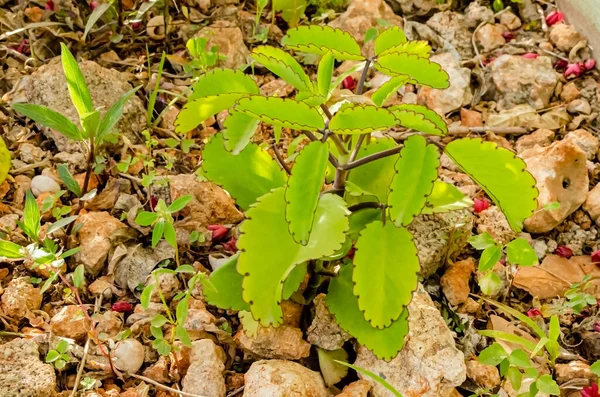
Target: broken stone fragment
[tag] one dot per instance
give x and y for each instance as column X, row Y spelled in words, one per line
column 455, row 281
column 70, row 322
column 205, row 374
column 283, row 342
column 279, row 378
column 20, row 297
column 324, row 331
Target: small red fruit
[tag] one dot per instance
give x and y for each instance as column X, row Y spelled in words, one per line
column 533, row 312
column 590, row 391
column 122, row 307
column 231, row 245
column 49, row 5
column 564, row 251
column 555, row 17
column 349, row 83
column 135, row 25
column 597, row 327
column 596, row 256
column 480, row 205
column 590, row 64
column 573, row 69
column 560, row 64
column 218, row 231
column 93, row 5
column 530, row 55
column 508, row 36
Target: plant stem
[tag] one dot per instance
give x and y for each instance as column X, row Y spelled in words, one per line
column 88, row 170
column 313, row 138
column 365, row 205
column 370, row 158
column 281, row 160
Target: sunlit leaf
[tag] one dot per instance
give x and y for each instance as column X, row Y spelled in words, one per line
column 420, row 118
column 283, row 112
column 227, row 294
column 520, row 252
column 388, row 89
column 283, row 65
column 239, row 130
column 445, row 197
column 322, row 39
column 389, row 38
column 80, row 96
column 325, row 73
column 10, row 250
column 113, row 115
column 421, row 48
column 49, row 118
column 223, row 81
column 65, row 175
column 291, row 10
column 197, row 110
column 361, row 119
column 31, row 216
column 332, row 371
column 421, row 70
column 95, row 16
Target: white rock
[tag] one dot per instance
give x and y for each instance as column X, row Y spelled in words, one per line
column 564, row 36
column 19, row 298
column 586, row 142
column 128, row 355
column 205, row 374
column 44, row 184
column 22, row 373
column 279, row 378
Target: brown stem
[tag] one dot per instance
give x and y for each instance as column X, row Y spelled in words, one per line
column 281, row 160
column 88, row 170
column 363, row 78
column 313, row 138
column 372, row 157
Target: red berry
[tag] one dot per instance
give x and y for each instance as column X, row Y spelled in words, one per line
column 597, row 327
column 564, row 251
column 590, row 391
column 480, row 205
column 135, row 25
column 596, row 256
column 508, row 36
column 555, row 17
column 349, row 83
column 590, row 64
column 231, row 245
column 218, row 231
column 93, row 5
column 533, row 312
column 49, row 5
column 530, row 55
column 573, row 69
column 122, row 307
column 560, row 64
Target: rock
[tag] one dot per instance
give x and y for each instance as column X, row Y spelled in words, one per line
column 204, row 5
column 570, row 92
column 229, row 40
column 278, row 88
column 419, row 7
column 579, row 106
column 200, row 319
column 95, row 239
column 476, row 14
column 359, row 388
column 573, row 370
column 457, row 95
column 108, row 197
column 41, row 184
column 205, row 375
column 540, row 137
column 20, row 298
column 77, row 160
column 586, row 142
column 324, row 331
column 364, row 14
column 70, row 322
column 30, row 153
column 279, row 378
column 168, row 283
column 564, row 36
column 128, row 355
column 510, row 20
column 159, row 371
column 520, row 80
column 429, row 365
column 561, row 174
column 494, row 222
column 490, row 37
column 452, row 26
column 283, row 342
column 22, row 373
column 592, row 204
column 210, row 205
column 485, row 376
column 440, row 236
column 47, row 86
column 109, row 323
column 470, row 118
column 455, row 281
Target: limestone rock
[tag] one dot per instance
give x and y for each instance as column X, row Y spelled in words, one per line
column 30, row 153
column 452, row 26
column 586, row 142
column 490, row 37
column 41, row 184
column 438, row 236
column 592, row 204
column 360, row 388
column 540, row 137
column 324, row 330
column 229, row 40
column 579, row 106
column 109, row 323
column 455, row 281
column 494, row 222
column 485, row 376
column 128, row 355
column 561, row 174
column 476, row 14
column 279, row 378
column 283, row 342
column 278, row 88
column 47, row 86
column 429, row 365
column 520, row 80
column 458, row 94
column 205, row 375
column 573, row 370
column 20, row 297
column 510, row 20
column 168, row 283
column 22, row 373
column 70, row 322
column 564, row 36
column 95, row 236
column 419, row 7
column 470, row 118
column 570, row 92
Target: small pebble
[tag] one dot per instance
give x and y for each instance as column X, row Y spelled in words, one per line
column 43, row 184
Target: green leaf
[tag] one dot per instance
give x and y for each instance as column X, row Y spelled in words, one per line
column 146, row 294
column 416, row 171
column 374, row 177
column 52, row 356
column 522, row 317
column 501, row 174
column 156, row 332
column 482, row 241
column 547, row 385
column 10, row 250
column 78, row 277
column 80, row 96
column 49, row 118
column 90, row 122
column 389, row 38
column 520, row 359
column 387, row 89
column 183, row 336
column 113, row 115
column 95, row 16
column 189, row 269
column 370, row 35
column 146, row 218
column 373, row 376
column 361, row 119
column 595, row 368
column 68, row 180
column 286, row 113
column 445, row 197
column 246, row 176
column 515, row 377
column 199, row 109
column 343, row 304
column 291, row 10
column 489, row 257
column 420, row 118
column 283, row 65
column 170, row 234
column 31, row 216
column 162, row 347
column 325, row 73
column 159, row 320
column 386, row 257
column 492, row 355
column 508, row 337
column 554, row 329
column 490, row 283
column 520, row 252
column 322, row 39
column 328, row 363
column 303, row 189
column 269, row 253
column 181, row 311
column 420, row 48
column 62, row 346
column 180, row 203
column 293, row 281
column 249, row 324
column 421, row 70
column 49, row 281
column 227, row 294
column 4, row 161
column 223, row 81
column 360, row 219
column 239, row 130
column 158, row 231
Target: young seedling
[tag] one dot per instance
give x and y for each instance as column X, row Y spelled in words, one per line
column 59, row 356
column 346, row 189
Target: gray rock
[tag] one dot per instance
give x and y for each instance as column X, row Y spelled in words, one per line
column 128, row 355
column 523, row 81
column 205, row 374
column 419, row 7
column 453, row 27
column 30, row 153
column 279, row 378
column 19, row 298
column 324, row 330
column 43, row 184
column 429, row 365
column 476, row 13
column 22, row 373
